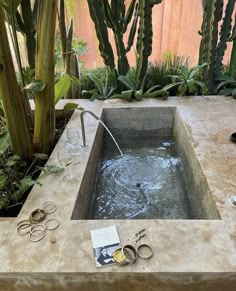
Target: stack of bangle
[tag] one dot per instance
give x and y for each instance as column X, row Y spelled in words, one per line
column 128, row 254
column 33, row 226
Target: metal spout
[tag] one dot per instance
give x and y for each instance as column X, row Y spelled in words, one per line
column 82, row 125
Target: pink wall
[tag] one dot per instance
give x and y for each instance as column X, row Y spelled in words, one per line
column 175, row 28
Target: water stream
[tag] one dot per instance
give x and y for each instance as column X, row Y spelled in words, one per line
column 116, row 143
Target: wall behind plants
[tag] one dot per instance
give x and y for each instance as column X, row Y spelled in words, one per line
column 175, row 28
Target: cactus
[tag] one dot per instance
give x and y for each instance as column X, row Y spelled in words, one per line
column 212, row 48
column 224, row 33
column 144, row 41
column 232, row 66
column 97, row 14
column 117, row 18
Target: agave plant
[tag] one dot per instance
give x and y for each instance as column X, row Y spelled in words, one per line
column 103, row 88
column 137, row 90
column 227, row 86
column 187, row 80
column 159, row 72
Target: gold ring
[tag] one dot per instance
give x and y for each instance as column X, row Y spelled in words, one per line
column 23, row 227
column 49, row 207
column 52, row 227
column 32, row 235
column 37, row 227
column 35, row 231
column 37, row 215
column 144, row 251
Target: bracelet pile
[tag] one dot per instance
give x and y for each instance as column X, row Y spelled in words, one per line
column 33, row 225
column 128, row 254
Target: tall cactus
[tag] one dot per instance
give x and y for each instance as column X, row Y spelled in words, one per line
column 117, row 18
column 225, row 33
column 144, row 41
column 212, row 48
column 97, row 14
column 232, row 66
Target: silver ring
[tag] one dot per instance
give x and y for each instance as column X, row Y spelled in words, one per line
column 49, row 207
column 148, row 254
column 53, row 227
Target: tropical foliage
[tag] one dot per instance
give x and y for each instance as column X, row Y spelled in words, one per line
column 187, row 80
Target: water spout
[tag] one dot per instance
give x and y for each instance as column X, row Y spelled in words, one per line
column 102, row 123
column 82, row 125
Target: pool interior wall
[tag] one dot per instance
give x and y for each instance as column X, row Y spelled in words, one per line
column 155, row 121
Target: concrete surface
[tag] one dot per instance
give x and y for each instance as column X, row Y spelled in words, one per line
column 188, row 254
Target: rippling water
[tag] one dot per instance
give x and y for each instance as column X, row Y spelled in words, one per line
column 146, row 183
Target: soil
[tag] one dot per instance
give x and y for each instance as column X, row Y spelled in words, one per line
column 61, row 123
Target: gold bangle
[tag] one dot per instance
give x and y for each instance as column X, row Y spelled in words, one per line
column 119, row 257
column 37, row 215
column 144, row 251
column 35, row 231
column 52, row 227
column 125, row 255
column 130, row 253
column 32, row 235
column 49, row 207
column 23, row 227
column 38, row 227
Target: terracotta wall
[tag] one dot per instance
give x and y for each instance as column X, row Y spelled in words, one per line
column 175, row 28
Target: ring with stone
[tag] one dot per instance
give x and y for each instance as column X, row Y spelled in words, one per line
column 144, row 251
column 49, row 207
column 37, row 216
column 23, row 226
column 52, row 221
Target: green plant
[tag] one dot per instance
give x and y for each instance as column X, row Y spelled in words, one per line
column 63, row 85
column 15, row 105
column 70, row 60
column 18, row 176
column 87, row 83
column 227, row 86
column 103, row 88
column 187, row 80
column 137, row 90
column 13, row 181
column 160, row 72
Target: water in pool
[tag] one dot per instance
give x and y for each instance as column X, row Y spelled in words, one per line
column 146, row 183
